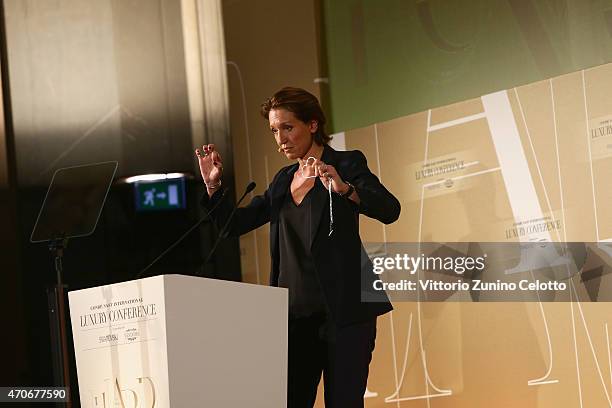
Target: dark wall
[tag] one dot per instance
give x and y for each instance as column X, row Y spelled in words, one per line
column 92, row 81
column 14, row 351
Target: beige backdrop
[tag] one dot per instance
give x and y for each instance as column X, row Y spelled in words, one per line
column 495, row 168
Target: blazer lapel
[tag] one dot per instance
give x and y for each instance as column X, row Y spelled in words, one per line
column 278, row 192
column 280, row 189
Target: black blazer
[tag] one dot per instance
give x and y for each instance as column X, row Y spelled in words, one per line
column 342, row 270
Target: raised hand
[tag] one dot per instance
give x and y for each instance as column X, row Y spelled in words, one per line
column 211, row 166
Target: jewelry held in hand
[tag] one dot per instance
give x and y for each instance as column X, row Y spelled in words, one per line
column 331, row 209
column 329, row 189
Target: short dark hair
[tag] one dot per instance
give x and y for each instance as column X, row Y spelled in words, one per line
column 304, row 105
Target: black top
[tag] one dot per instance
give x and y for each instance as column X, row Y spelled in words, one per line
column 337, row 258
column 297, row 270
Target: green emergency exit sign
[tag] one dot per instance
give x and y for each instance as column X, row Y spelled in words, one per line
column 160, row 195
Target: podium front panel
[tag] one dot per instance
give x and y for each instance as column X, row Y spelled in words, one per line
column 119, row 334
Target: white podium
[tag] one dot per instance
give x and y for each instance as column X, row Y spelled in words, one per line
column 180, row 341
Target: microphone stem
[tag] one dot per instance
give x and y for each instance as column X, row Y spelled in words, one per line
column 171, row 247
column 225, row 227
column 182, row 237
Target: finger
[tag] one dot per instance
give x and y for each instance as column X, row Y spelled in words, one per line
column 312, row 162
column 216, row 158
column 322, row 169
column 331, row 171
column 202, row 155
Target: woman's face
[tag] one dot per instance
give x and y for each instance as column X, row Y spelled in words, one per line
column 292, row 135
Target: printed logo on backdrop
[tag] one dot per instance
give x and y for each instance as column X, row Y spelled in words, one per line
column 600, row 132
column 441, row 175
column 533, row 226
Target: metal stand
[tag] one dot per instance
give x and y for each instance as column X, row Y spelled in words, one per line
column 57, row 319
column 66, row 214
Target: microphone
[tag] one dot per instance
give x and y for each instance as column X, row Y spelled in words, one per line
column 250, row 187
column 223, row 233
column 178, row 241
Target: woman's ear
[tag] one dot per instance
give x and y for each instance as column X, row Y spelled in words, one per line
column 314, row 126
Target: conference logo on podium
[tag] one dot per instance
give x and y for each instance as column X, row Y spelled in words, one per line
column 131, row 334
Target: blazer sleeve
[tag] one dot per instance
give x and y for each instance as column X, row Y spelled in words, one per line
column 246, row 219
column 375, row 200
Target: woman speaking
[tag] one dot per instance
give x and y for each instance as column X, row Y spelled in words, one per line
column 312, row 207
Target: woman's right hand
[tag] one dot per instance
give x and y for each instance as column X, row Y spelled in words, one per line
column 211, row 166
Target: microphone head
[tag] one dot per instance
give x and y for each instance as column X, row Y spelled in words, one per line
column 251, row 187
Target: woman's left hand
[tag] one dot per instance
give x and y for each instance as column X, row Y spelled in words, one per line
column 327, row 172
